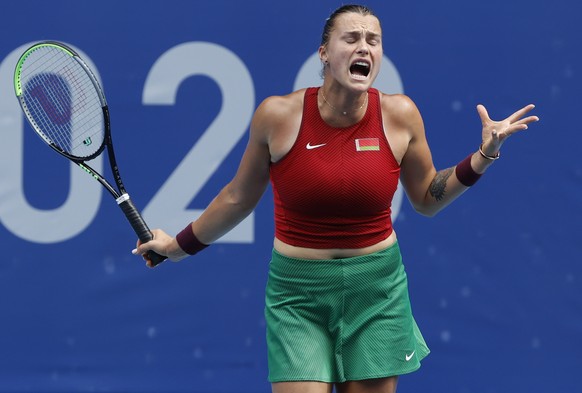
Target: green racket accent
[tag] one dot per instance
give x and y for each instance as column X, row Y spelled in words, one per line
column 17, row 84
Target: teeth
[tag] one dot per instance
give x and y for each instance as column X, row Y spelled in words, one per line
column 360, row 70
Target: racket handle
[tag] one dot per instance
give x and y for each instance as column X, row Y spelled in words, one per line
column 139, row 226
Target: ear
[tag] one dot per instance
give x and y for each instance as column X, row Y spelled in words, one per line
column 322, row 54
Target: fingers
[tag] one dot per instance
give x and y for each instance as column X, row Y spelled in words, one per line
column 483, row 114
column 142, row 249
column 495, row 137
column 527, row 120
column 522, row 124
column 512, row 124
column 512, row 129
column 159, row 245
column 521, row 113
column 145, row 256
column 514, row 118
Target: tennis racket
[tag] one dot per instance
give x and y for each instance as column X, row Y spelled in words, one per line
column 66, row 107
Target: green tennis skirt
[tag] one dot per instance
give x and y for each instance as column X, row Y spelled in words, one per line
column 340, row 320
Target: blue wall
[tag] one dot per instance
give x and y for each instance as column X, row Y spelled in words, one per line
column 495, row 280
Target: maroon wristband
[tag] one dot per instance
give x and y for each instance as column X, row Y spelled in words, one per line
column 465, row 173
column 188, row 241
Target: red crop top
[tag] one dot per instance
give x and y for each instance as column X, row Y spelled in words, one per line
column 334, row 188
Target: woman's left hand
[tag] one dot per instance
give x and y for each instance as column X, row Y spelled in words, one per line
column 496, row 132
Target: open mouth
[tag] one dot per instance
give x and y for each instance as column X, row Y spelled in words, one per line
column 360, row 69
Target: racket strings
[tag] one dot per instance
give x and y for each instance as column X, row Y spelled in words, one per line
column 63, row 101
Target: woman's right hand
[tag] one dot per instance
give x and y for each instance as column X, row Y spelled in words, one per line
column 163, row 244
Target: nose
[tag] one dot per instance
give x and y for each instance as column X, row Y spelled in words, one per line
column 363, row 49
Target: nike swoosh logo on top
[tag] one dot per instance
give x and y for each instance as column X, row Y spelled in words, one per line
column 408, row 357
column 310, row 146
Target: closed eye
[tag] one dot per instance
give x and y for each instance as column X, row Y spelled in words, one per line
column 371, row 38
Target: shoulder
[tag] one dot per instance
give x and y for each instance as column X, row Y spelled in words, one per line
column 277, row 108
column 400, row 113
column 278, row 115
column 399, row 107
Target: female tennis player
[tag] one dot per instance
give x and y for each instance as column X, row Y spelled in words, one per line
column 337, row 306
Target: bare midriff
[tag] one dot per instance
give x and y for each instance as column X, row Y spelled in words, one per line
column 331, row 253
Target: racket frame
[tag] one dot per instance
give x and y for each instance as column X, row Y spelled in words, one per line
column 121, row 196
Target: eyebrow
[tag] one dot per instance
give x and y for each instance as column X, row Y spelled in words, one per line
column 358, row 33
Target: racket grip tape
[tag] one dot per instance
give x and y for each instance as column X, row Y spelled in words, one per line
column 140, row 227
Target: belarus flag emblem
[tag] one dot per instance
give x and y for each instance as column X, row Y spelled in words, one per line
column 367, row 144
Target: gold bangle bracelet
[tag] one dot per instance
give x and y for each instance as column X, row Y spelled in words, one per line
column 490, row 158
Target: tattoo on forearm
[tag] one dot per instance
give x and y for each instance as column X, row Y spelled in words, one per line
column 439, row 184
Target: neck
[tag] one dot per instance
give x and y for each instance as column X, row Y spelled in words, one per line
column 355, row 108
